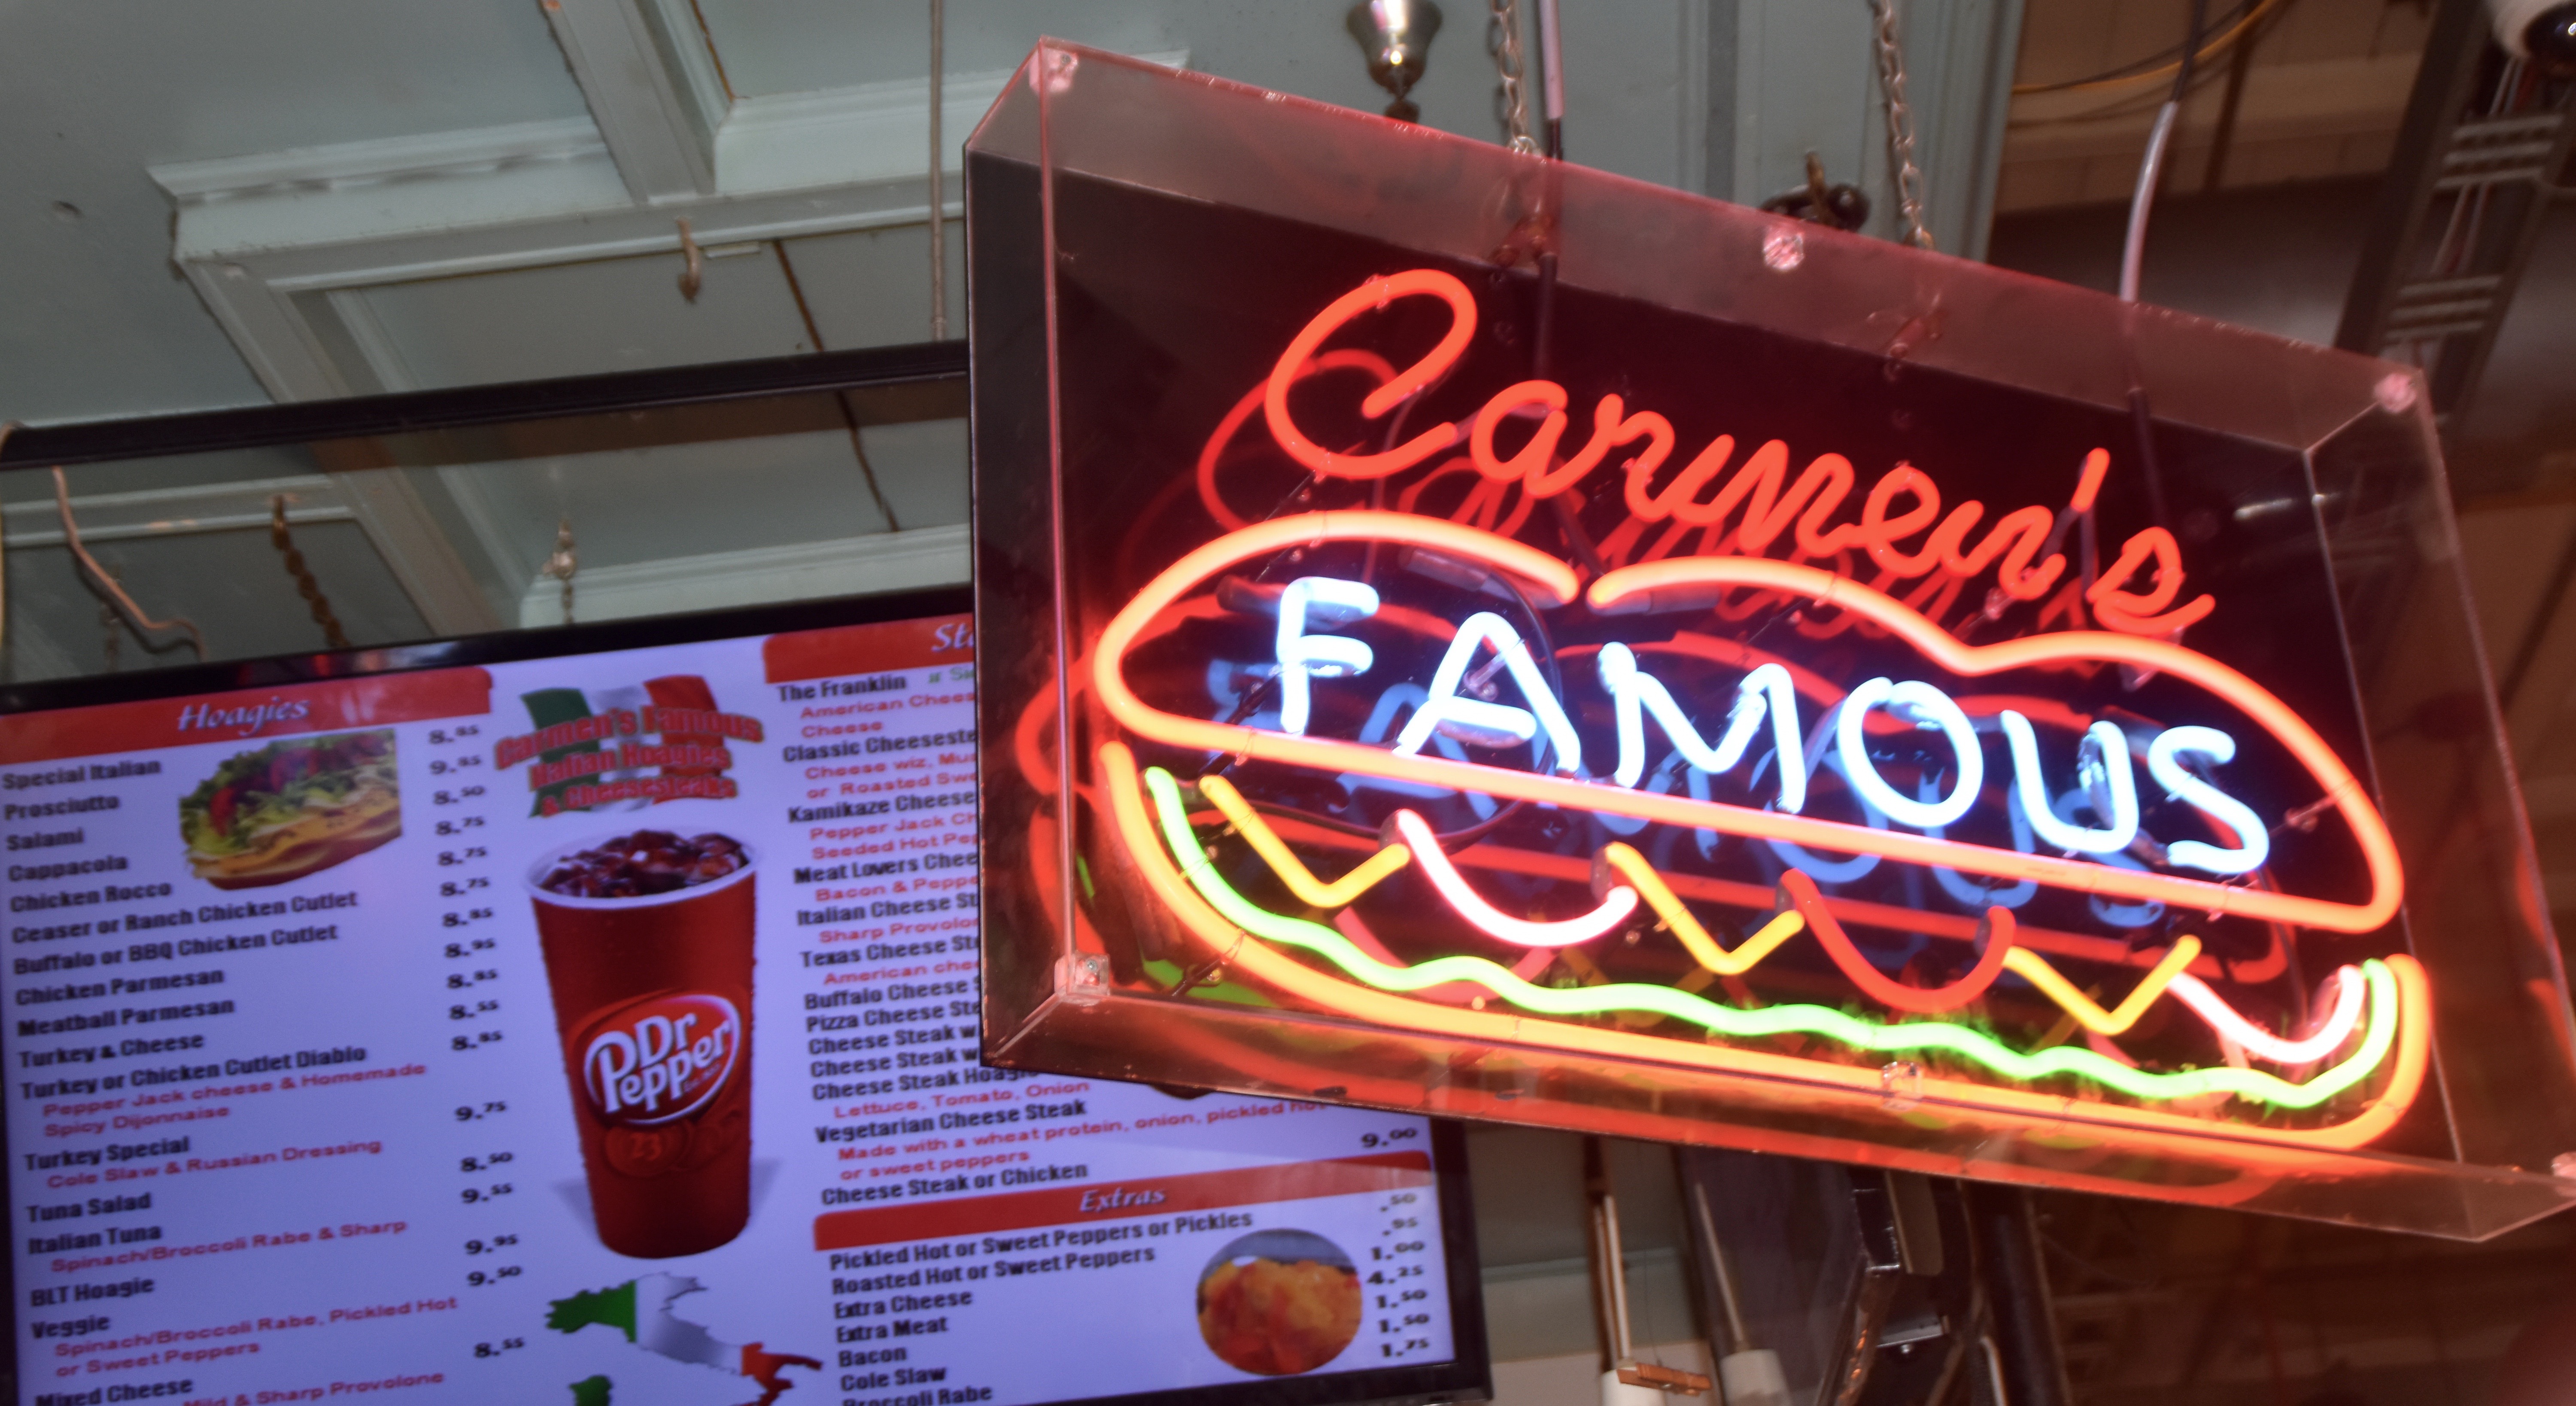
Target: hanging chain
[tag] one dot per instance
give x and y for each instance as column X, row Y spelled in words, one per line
column 1506, row 44
column 108, row 582
column 564, row 563
column 1900, row 126
column 305, row 585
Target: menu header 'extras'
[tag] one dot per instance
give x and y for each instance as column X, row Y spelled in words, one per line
column 1164, row 1195
column 227, row 717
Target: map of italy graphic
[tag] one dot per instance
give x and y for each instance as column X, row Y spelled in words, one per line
column 641, row 1309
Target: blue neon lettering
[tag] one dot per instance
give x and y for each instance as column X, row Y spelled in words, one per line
column 2097, row 776
column 1767, row 690
column 1929, row 708
column 2253, row 842
column 1486, row 724
column 1301, row 655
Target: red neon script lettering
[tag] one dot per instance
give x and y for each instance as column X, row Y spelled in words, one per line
column 1369, row 297
column 1763, row 501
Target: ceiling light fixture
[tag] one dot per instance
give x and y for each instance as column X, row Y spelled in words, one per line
column 1396, row 36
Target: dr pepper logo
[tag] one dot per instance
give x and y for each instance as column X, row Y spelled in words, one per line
column 661, row 1058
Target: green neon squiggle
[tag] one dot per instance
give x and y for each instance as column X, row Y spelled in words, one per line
column 2251, row 1084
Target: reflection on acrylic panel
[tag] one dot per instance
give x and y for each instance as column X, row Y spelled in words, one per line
column 1496, row 673
column 1855, row 760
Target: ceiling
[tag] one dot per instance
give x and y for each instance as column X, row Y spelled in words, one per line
column 284, row 199
column 2323, row 89
column 291, row 200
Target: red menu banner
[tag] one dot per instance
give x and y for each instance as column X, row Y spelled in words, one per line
column 857, row 649
column 283, row 711
column 1145, row 1196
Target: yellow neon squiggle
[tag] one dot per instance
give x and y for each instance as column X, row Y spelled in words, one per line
column 2035, row 1110
column 1703, row 948
column 1301, row 881
column 1694, row 936
column 2034, row 968
column 1251, row 920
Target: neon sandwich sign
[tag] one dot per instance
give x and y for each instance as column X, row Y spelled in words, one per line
column 1777, row 773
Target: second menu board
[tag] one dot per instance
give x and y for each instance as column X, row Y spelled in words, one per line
column 602, row 1028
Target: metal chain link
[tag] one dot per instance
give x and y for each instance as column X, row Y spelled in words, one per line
column 564, row 564
column 1900, row 126
column 1505, row 42
column 305, row 584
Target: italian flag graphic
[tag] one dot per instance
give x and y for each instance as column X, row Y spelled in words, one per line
column 641, row 1309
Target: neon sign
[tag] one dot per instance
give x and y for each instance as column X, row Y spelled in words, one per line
column 1743, row 685
column 2166, row 755
column 1625, row 880
column 1444, row 662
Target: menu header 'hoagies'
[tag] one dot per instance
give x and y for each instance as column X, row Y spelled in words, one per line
column 336, row 706
column 248, row 720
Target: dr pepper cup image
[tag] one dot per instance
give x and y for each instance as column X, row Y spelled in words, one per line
column 648, row 942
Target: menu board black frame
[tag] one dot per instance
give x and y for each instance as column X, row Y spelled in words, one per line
column 1467, row 1376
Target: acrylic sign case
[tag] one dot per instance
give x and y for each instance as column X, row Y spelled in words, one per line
column 1745, row 685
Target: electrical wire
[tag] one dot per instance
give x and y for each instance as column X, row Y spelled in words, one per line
column 2151, row 168
column 2190, row 51
column 2119, row 108
column 2134, row 70
column 2195, row 53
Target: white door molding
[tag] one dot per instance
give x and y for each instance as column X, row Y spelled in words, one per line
column 887, row 561
column 283, row 246
column 653, row 87
column 137, row 514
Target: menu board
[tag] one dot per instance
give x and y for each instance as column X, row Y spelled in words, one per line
column 602, row 1028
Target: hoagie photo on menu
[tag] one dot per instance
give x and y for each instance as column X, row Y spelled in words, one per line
column 294, row 807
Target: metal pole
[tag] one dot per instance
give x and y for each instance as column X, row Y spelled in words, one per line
column 1609, row 1261
column 1730, row 1302
column 2443, row 79
column 938, row 179
column 919, row 382
column 1551, row 57
column 2008, row 1259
